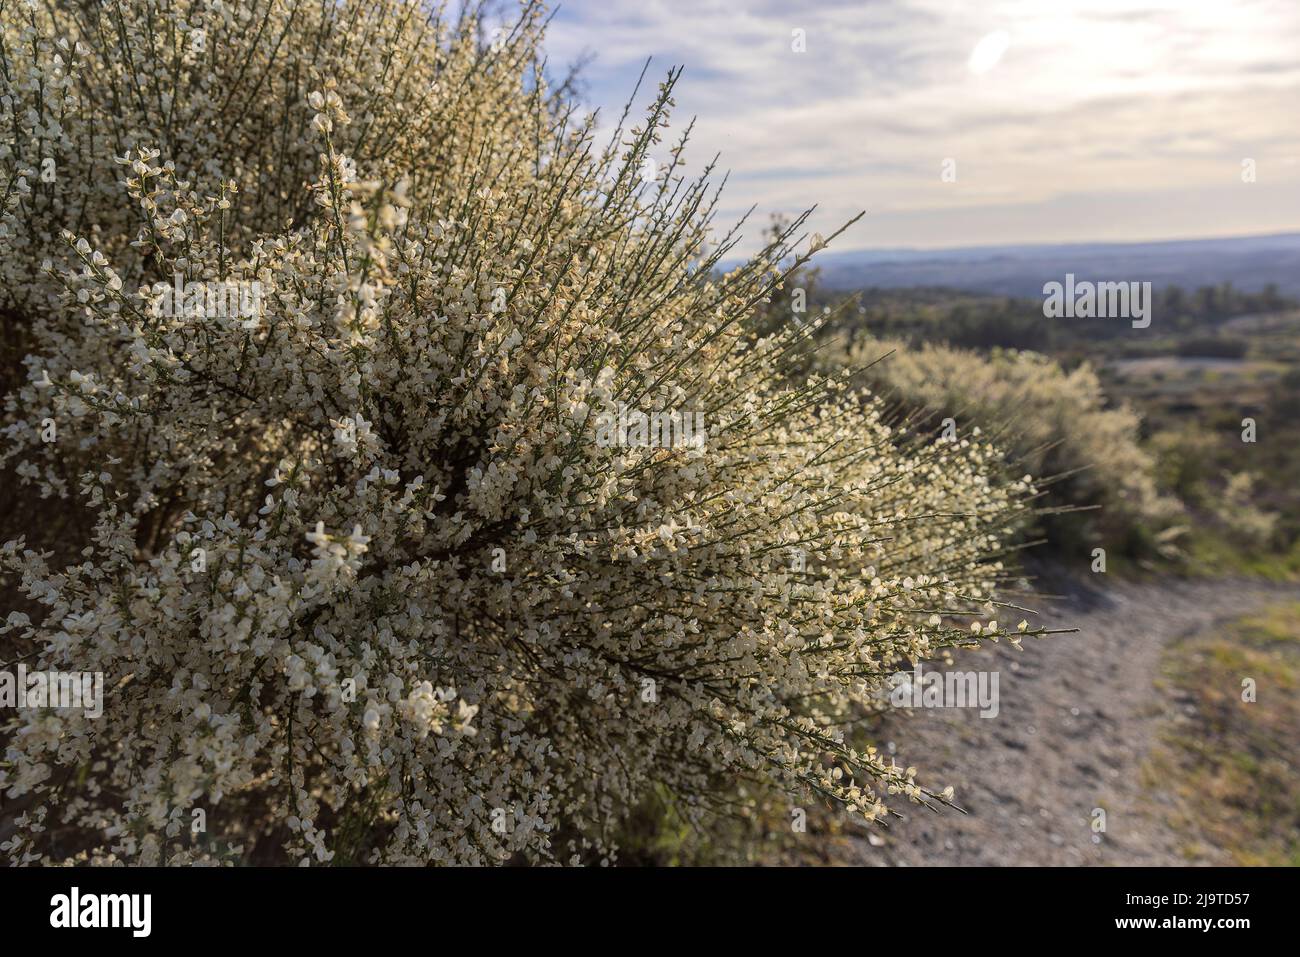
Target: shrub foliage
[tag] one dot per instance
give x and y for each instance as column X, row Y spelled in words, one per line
column 363, row 583
column 1099, row 484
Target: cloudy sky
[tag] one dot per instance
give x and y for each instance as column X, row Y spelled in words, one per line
column 1066, row 121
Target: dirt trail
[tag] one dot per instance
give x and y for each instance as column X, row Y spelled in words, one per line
column 1078, row 714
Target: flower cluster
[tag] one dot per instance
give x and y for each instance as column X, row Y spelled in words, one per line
column 363, row 583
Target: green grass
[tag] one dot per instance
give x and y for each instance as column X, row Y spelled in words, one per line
column 1228, row 767
column 1211, row 555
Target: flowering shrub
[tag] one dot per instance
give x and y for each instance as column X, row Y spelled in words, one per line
column 1055, row 423
column 363, row 584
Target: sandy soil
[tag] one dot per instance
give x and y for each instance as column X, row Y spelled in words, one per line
column 1078, row 714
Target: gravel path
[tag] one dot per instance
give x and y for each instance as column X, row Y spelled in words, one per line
column 1078, row 714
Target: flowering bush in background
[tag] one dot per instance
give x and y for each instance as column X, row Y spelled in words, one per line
column 1056, row 423
column 363, row 584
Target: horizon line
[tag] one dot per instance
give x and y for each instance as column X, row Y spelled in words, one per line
column 1058, row 244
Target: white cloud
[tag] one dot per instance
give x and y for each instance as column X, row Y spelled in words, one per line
column 1045, row 105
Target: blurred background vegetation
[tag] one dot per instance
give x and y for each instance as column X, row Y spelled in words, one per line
column 1138, row 433
column 1142, row 427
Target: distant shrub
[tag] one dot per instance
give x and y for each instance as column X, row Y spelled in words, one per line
column 1054, row 423
column 364, row 582
column 1237, row 509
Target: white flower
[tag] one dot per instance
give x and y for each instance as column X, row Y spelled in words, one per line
column 317, row 541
